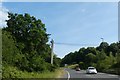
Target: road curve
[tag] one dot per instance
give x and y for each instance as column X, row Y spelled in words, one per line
column 81, row 75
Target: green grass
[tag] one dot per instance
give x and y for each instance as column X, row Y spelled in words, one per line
column 72, row 66
column 13, row 72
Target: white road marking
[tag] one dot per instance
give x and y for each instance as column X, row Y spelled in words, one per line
column 68, row 75
column 100, row 73
column 87, row 75
column 78, row 72
column 113, row 75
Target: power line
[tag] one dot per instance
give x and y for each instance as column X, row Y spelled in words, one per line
column 74, row 44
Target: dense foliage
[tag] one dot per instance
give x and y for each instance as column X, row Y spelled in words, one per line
column 24, row 44
column 103, row 57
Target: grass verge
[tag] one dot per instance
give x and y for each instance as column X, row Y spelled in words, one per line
column 72, row 66
column 13, row 72
column 112, row 71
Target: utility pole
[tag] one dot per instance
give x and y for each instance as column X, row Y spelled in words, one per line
column 52, row 45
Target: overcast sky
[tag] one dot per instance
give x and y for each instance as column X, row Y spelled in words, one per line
column 82, row 23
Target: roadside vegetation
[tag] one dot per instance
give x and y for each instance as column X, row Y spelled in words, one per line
column 25, row 52
column 72, row 66
column 14, row 72
column 105, row 57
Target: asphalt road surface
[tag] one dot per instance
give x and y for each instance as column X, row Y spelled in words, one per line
column 81, row 75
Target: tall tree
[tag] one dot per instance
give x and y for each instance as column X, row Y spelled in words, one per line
column 103, row 46
column 29, row 32
column 31, row 39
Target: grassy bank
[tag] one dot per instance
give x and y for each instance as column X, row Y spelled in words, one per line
column 72, row 66
column 112, row 71
column 13, row 72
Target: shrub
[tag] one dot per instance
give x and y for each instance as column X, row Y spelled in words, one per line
column 82, row 65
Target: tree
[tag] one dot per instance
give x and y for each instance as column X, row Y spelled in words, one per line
column 82, row 65
column 29, row 31
column 68, row 59
column 113, row 48
column 103, row 46
column 31, row 39
column 101, row 55
column 89, row 59
column 9, row 49
column 56, row 61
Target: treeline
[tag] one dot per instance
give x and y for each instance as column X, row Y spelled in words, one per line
column 105, row 57
column 24, row 45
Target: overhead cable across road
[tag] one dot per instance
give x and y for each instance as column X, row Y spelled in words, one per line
column 74, row 44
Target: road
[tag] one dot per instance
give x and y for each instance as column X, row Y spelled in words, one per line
column 81, row 75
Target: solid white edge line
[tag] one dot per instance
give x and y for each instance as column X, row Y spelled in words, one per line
column 68, row 74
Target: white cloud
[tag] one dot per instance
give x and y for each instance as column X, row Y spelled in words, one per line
column 3, row 16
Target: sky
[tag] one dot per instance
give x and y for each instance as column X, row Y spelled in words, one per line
column 73, row 24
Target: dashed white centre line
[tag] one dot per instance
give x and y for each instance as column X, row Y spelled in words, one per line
column 112, row 75
column 87, row 75
column 78, row 72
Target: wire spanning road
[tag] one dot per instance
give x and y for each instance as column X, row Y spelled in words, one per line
column 81, row 75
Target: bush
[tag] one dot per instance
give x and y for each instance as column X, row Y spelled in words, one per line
column 11, row 72
column 9, row 49
column 82, row 65
column 38, row 64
